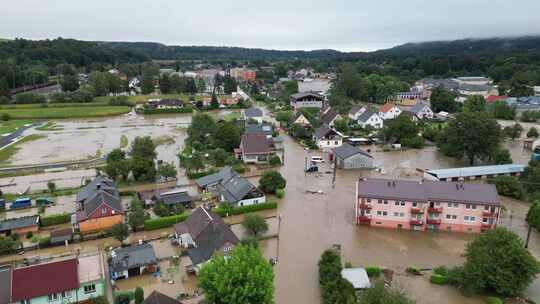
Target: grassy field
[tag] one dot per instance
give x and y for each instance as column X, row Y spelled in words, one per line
column 12, row 125
column 141, row 99
column 9, row 151
column 63, row 112
column 96, row 103
column 232, row 116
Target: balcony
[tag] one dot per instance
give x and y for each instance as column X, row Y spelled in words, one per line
column 489, row 214
column 365, row 206
column 437, row 209
column 487, row 226
column 417, row 210
column 433, row 221
column 364, row 220
column 417, row 222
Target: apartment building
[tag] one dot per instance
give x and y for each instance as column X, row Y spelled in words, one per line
column 426, row 205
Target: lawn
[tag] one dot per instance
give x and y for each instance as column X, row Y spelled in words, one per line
column 55, row 105
column 9, row 151
column 63, row 112
column 12, row 125
column 231, row 116
column 140, row 99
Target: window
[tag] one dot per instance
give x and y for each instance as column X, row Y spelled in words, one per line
column 103, row 210
column 53, row 297
column 90, row 288
column 385, row 202
column 470, row 206
column 451, row 217
column 66, row 294
column 469, row 219
column 453, row 205
column 382, row 213
column 415, row 204
column 369, row 200
column 379, row 201
column 25, row 302
column 398, row 203
column 485, row 220
column 367, row 212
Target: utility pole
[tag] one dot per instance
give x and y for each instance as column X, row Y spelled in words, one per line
column 279, row 229
column 334, row 158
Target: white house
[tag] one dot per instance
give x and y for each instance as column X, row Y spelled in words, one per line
column 370, row 119
column 356, row 111
column 420, row 111
column 389, row 111
column 326, row 138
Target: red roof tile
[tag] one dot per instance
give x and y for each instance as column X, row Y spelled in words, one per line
column 44, row 279
column 493, row 98
column 386, row 107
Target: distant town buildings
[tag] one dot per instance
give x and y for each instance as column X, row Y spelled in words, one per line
column 426, row 205
column 307, row 100
column 319, row 86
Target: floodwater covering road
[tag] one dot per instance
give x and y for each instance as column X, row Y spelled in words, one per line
column 312, row 223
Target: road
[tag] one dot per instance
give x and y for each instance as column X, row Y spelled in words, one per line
column 6, row 140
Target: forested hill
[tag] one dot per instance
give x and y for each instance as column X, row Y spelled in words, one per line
column 163, row 52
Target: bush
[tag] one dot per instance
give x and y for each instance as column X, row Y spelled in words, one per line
column 416, row 142
column 123, row 297
column 509, row 186
column 196, row 175
column 494, row 300
column 413, row 270
column 223, row 211
column 5, row 117
column 164, row 222
column 29, row 98
column 438, row 279
column 334, row 288
column 29, row 235
column 275, row 160
column 280, row 193
column 348, row 265
column 271, row 181
column 55, row 219
column 373, row 271
column 442, row 270
column 45, row 241
column 532, row 132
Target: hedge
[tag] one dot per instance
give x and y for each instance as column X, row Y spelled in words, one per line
column 438, row 279
column 196, row 175
column 55, row 219
column 280, row 193
column 245, row 209
column 413, row 270
column 164, row 222
column 166, row 111
column 373, row 271
column 494, row 300
column 117, row 295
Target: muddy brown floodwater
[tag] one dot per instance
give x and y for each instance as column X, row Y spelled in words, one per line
column 312, row 223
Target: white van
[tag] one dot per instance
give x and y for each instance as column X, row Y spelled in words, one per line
column 317, row 159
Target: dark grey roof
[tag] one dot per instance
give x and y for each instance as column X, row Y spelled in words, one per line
column 475, row 87
column 208, row 231
column 365, row 116
column 236, row 188
column 255, row 144
column 265, row 129
column 346, row 150
column 174, row 197
column 253, row 112
column 5, row 284
column 89, row 189
column 306, row 94
column 322, row 131
column 329, row 116
column 132, row 256
column 157, row 297
column 419, row 106
column 484, row 194
column 20, row 222
column 355, row 109
column 223, row 174
column 102, row 197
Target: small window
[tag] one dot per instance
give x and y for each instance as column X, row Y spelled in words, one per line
column 415, row 204
column 25, row 302
column 379, row 201
column 368, row 200
column 53, row 297
column 368, row 212
column 384, row 213
column 66, row 294
column 90, row 288
column 402, row 203
column 385, row 202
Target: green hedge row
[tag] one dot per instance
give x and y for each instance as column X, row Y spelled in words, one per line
column 373, row 271
column 166, row 111
column 196, row 175
column 494, row 300
column 164, row 222
column 438, row 279
column 55, row 219
column 245, row 209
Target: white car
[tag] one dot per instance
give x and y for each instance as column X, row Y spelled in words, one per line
column 317, row 159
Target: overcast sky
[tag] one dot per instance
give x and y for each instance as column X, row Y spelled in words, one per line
column 349, row 25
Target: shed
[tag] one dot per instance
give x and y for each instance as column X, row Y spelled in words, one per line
column 351, row 157
column 477, row 172
column 61, row 236
column 357, row 277
column 132, row 261
column 20, row 225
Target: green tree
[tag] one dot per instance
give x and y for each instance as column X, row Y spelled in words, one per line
column 8, row 244
column 219, row 156
column 51, row 186
column 342, row 125
column 98, row 80
column 147, row 83
column 190, row 86
column 271, row 181
column 335, row 289
column 4, row 87
column 533, row 132
column 136, row 215
column 201, row 128
column 284, row 117
column 143, row 148
column 214, row 103
column 255, row 224
column 531, row 176
column 244, row 277
column 474, row 135
column 139, row 295
column 229, row 85
column 167, row 170
column 227, row 136
column 474, row 103
column 533, row 215
column 501, row 110
column 70, row 83
column 400, row 128
column 119, row 231
column 513, row 132
column 114, row 162
column 502, row 156
column 165, row 84
column 509, row 186
column 142, row 169
column 496, row 261
column 443, row 100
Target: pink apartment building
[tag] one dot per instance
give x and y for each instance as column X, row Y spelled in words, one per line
column 424, row 205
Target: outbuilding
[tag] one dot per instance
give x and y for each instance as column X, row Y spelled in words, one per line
column 351, row 157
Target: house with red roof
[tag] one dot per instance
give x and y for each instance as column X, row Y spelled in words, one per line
column 493, row 98
column 67, row 281
column 389, row 111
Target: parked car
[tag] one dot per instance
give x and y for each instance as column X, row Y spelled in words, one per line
column 317, row 159
column 312, row 169
column 24, row 202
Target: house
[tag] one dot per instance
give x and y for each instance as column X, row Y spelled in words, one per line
column 307, row 100
column 75, row 280
column 157, row 297
column 174, row 197
column 204, row 233
column 61, row 236
column 329, row 117
column 494, row 98
column 412, row 95
column 326, row 137
column 356, row 111
column 370, row 119
column 426, row 205
column 358, row 277
column 299, row 118
column 133, row 261
column 319, row 86
column 389, row 111
column 419, row 111
column 255, row 148
column 230, row 187
column 253, row 114
column 474, row 80
column 5, row 284
column 264, row 129
column 100, row 207
column 161, row 104
column 20, row 226
column 351, row 157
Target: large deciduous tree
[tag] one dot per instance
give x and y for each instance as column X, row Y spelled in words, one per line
column 474, row 103
column 255, row 224
column 443, row 100
column 242, row 278
column 272, row 181
column 474, row 135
